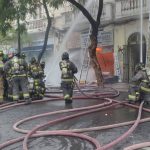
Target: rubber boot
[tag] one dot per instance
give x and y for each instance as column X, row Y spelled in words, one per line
column 131, row 102
column 68, row 101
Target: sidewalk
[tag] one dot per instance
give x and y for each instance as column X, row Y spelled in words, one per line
column 123, row 87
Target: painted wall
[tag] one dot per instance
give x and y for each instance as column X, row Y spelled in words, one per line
column 121, row 35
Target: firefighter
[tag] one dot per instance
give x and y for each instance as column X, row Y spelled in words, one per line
column 37, row 74
column 68, row 70
column 8, row 84
column 135, row 88
column 18, row 69
column 1, row 77
column 8, row 81
column 42, row 77
column 10, row 56
column 5, row 83
column 23, row 56
column 5, row 58
column 42, row 65
column 145, row 88
column 35, row 69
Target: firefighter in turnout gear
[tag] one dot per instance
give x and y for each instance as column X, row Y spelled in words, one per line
column 22, row 56
column 18, row 69
column 8, row 81
column 1, row 77
column 42, row 64
column 5, row 82
column 68, row 70
column 138, row 84
column 36, row 73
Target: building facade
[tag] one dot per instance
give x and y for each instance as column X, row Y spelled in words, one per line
column 36, row 28
column 119, row 33
column 127, row 36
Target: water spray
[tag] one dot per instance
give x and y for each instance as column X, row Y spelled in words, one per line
column 141, row 35
column 53, row 74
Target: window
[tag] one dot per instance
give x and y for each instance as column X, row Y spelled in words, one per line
column 132, row 4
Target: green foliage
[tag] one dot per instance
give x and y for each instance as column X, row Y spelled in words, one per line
column 10, row 10
column 56, row 3
column 7, row 39
column 12, row 37
column 22, row 28
column 6, row 9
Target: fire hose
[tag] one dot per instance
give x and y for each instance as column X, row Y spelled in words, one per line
column 91, row 109
column 138, row 146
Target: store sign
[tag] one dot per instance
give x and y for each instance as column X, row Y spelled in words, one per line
column 105, row 38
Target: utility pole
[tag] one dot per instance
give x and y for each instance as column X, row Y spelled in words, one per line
column 141, row 35
column 148, row 50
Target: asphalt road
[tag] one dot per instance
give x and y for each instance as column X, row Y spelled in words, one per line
column 114, row 115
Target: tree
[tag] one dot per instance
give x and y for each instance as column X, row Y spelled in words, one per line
column 11, row 11
column 95, row 24
column 32, row 7
column 7, row 15
column 54, row 4
column 45, row 2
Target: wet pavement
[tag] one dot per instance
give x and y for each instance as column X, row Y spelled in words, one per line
column 111, row 116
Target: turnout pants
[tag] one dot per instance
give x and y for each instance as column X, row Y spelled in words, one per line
column 145, row 90
column 38, row 90
column 17, row 84
column 1, row 89
column 134, row 93
column 67, row 88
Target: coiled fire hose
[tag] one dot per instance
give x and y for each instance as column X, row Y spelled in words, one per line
column 36, row 133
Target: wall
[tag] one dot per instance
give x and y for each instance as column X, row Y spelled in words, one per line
column 121, row 35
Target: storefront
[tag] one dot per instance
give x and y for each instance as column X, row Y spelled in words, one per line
column 34, row 51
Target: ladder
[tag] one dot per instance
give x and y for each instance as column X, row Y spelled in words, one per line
column 86, row 59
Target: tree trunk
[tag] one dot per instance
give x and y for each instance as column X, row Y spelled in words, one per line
column 19, row 38
column 47, row 31
column 95, row 25
column 45, row 41
column 94, row 61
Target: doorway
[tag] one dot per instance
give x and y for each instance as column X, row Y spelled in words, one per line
column 132, row 55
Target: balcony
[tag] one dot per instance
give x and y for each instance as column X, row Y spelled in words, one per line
column 107, row 16
column 130, row 9
column 35, row 26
